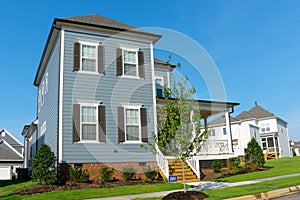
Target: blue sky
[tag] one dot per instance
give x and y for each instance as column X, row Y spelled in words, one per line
column 255, row 45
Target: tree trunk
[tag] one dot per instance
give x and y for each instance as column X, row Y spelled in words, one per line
column 183, row 176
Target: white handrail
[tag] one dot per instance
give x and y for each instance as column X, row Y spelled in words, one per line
column 194, row 165
column 163, row 163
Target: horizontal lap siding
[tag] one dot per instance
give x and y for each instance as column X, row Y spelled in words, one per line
column 49, row 111
column 112, row 91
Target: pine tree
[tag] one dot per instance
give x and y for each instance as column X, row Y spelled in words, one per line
column 43, row 166
column 254, row 155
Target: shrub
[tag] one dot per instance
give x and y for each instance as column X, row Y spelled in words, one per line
column 43, row 166
column 106, row 173
column 217, row 165
column 150, row 173
column 78, row 175
column 254, row 156
column 128, row 173
column 233, row 164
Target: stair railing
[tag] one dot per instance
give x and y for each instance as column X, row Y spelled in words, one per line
column 194, row 164
column 163, row 163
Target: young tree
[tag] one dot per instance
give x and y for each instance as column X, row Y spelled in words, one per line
column 179, row 134
column 254, row 156
column 43, row 166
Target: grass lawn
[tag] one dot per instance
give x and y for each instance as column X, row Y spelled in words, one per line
column 246, row 189
column 7, row 187
column 280, row 167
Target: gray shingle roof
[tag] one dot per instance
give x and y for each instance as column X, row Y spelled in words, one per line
column 6, row 154
column 259, row 112
column 244, row 115
column 221, row 120
column 161, row 62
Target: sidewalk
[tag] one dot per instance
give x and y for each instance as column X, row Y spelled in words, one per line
column 199, row 186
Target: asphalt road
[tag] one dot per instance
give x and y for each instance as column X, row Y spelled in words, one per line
column 290, row 197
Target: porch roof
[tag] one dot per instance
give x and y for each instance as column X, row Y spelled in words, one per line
column 207, row 108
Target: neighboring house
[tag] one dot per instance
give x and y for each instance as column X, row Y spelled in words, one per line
column 270, row 131
column 97, row 86
column 11, row 156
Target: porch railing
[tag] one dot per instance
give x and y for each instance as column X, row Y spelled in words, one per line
column 213, row 147
column 163, row 163
column 194, row 165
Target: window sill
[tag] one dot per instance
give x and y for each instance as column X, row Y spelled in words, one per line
column 90, row 142
column 133, row 142
column 88, row 72
column 131, row 77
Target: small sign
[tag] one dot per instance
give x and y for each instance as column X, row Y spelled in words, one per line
column 173, row 179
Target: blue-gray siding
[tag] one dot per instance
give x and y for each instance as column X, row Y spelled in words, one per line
column 49, row 111
column 112, row 91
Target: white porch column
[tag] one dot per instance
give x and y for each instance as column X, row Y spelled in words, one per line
column 228, row 130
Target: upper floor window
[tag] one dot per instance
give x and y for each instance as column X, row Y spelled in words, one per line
column 212, row 132
column 265, row 127
column 46, row 83
column 88, row 57
column 224, row 131
column 159, row 84
column 130, row 63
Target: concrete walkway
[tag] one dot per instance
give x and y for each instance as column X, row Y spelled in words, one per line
column 205, row 185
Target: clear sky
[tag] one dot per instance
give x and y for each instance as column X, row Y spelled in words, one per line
column 255, row 45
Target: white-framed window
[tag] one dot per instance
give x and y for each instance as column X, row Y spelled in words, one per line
column 46, row 83
column 224, row 131
column 130, row 63
column 159, row 85
column 39, row 99
column 265, row 127
column 88, row 57
column 43, row 94
column 88, row 122
column 132, row 124
column 212, row 132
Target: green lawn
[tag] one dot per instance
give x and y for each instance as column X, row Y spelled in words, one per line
column 8, row 187
column 280, row 167
column 245, row 189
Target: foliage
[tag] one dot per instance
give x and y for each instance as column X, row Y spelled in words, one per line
column 254, row 156
column 217, row 165
column 43, row 166
column 78, row 175
column 233, row 164
column 106, row 173
column 150, row 172
column 128, row 172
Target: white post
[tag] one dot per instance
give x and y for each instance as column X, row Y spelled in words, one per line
column 228, row 130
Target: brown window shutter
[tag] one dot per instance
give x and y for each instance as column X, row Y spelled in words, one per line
column 76, row 122
column 141, row 64
column 143, row 114
column 119, row 62
column 100, row 59
column 121, row 125
column 102, row 124
column 76, row 65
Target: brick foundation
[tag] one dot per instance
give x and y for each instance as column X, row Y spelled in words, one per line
column 93, row 169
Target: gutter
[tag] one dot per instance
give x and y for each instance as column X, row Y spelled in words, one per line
column 232, row 111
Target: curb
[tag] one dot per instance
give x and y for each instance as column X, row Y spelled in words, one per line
column 270, row 194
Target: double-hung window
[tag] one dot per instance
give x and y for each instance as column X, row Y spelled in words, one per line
column 130, row 63
column 88, row 57
column 89, row 125
column 224, row 131
column 159, row 84
column 132, row 124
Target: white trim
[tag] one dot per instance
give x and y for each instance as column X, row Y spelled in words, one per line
column 140, row 126
column 46, row 83
column 6, row 131
column 92, row 123
column 168, row 79
column 13, row 149
column 96, row 57
column 60, row 106
column 153, row 88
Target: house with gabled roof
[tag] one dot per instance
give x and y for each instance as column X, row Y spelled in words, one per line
column 11, row 155
column 97, row 85
column 270, row 131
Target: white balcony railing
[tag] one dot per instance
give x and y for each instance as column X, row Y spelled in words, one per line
column 214, row 147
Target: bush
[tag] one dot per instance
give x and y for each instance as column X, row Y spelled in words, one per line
column 128, row 173
column 233, row 163
column 106, row 173
column 254, row 156
column 150, row 173
column 217, row 165
column 78, row 175
column 43, row 166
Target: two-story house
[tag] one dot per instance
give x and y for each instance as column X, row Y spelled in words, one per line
column 270, row 131
column 97, row 86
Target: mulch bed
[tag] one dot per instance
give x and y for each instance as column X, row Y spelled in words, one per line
column 189, row 195
column 50, row 188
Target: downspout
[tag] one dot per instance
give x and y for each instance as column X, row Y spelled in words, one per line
column 232, row 111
